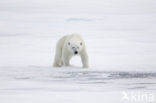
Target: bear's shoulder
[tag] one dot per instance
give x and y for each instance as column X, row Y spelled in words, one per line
column 75, row 36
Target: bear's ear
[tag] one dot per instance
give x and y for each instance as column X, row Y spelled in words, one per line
column 80, row 43
column 68, row 43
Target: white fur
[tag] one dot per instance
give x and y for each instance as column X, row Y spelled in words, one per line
column 65, row 49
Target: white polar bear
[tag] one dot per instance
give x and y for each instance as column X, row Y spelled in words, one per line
column 68, row 46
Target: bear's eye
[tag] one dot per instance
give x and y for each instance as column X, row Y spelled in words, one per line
column 68, row 43
column 81, row 43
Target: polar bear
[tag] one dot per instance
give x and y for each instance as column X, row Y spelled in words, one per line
column 68, row 46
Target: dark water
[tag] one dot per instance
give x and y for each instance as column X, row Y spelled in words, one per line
column 97, row 78
column 129, row 80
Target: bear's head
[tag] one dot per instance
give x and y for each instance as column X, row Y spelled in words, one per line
column 75, row 47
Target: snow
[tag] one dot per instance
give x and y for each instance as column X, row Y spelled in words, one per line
column 121, row 43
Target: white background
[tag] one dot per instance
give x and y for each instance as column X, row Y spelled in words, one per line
column 121, row 42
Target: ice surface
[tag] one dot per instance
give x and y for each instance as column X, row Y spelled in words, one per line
column 121, row 43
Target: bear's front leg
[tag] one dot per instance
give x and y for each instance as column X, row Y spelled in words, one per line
column 65, row 59
column 84, row 59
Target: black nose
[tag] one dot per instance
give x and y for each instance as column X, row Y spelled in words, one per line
column 75, row 52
